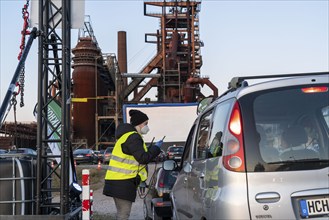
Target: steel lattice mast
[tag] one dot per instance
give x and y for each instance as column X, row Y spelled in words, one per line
column 54, row 71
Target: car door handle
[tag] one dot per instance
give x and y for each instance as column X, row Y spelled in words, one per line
column 267, row 197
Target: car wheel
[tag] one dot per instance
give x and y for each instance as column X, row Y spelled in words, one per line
column 146, row 215
column 154, row 214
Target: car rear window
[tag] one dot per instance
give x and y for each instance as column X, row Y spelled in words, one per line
column 286, row 129
column 82, row 151
column 108, row 150
column 176, row 149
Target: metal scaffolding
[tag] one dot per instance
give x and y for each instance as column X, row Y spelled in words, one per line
column 54, row 86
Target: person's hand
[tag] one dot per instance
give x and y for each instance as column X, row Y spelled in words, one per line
column 142, row 187
column 159, row 143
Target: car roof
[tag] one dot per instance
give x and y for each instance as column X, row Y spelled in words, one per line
column 244, row 87
column 82, row 149
column 176, row 147
column 237, row 82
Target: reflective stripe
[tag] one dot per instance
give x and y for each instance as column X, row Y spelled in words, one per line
column 123, row 166
column 121, row 170
column 124, row 160
column 144, row 174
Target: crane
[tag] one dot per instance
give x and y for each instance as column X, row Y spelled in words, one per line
column 11, row 89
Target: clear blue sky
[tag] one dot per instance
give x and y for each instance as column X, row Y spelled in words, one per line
column 240, row 38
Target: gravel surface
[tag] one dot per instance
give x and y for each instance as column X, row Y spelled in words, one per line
column 104, row 205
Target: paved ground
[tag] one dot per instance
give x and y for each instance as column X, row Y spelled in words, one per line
column 104, row 205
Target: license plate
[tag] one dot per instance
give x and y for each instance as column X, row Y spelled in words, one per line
column 80, row 156
column 314, row 207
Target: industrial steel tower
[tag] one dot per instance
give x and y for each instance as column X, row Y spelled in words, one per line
column 174, row 70
column 178, row 59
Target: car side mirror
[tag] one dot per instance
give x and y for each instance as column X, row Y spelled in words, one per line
column 187, row 168
column 169, row 165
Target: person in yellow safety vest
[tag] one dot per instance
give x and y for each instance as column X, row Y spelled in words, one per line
column 128, row 163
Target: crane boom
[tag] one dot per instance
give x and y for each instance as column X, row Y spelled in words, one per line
column 12, row 84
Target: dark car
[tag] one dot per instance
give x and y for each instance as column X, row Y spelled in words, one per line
column 161, row 157
column 107, row 155
column 175, row 152
column 156, row 204
column 85, row 156
column 2, row 151
column 100, row 155
column 22, row 151
column 25, row 152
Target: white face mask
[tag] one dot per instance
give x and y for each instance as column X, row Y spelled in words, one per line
column 145, row 129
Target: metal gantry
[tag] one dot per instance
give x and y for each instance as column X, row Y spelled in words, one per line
column 54, row 81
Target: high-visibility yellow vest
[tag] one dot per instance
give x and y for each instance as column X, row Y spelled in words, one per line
column 123, row 166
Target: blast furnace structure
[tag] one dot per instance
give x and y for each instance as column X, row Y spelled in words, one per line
column 174, row 71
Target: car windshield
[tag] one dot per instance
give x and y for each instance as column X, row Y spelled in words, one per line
column 82, row 151
column 108, row 150
column 176, row 149
column 22, row 151
column 286, row 127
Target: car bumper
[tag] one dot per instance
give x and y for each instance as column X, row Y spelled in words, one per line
column 174, row 158
column 83, row 160
column 106, row 160
column 162, row 207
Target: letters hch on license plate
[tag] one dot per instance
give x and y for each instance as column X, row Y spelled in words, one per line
column 314, row 207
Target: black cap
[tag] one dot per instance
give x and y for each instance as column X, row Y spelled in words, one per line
column 137, row 117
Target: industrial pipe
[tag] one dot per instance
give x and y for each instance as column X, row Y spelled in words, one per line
column 202, row 81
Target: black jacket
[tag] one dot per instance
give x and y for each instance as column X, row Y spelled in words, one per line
column 134, row 145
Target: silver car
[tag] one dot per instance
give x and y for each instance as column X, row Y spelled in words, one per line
column 258, row 151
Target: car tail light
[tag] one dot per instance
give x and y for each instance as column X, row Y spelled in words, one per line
column 235, row 121
column 161, row 179
column 88, row 155
column 315, row 89
column 161, row 184
column 233, row 157
column 159, row 204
